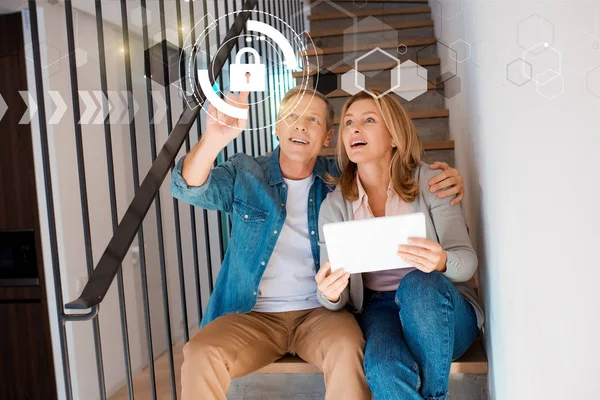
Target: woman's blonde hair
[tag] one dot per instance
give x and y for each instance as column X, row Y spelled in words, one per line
column 406, row 156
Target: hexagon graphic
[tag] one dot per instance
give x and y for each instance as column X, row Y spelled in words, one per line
column 550, row 84
column 462, row 49
column 377, row 55
column 543, row 57
column 384, row 34
column 81, row 57
column 353, row 82
column 533, row 30
column 409, row 80
column 518, row 72
column 448, row 9
column 451, row 87
column 135, row 16
column 581, row 51
column 593, row 81
column 377, row 51
column 51, row 62
column 448, row 64
column 360, row 3
column 402, row 49
column 349, row 37
column 171, row 35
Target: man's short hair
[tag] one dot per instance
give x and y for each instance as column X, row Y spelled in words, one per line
column 299, row 90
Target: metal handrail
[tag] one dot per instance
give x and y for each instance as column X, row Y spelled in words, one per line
column 110, row 261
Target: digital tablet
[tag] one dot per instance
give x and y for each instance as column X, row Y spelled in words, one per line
column 371, row 245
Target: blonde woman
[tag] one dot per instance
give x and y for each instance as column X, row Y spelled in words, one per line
column 417, row 320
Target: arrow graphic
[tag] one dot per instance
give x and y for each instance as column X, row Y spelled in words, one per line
column 31, row 107
column 61, row 107
column 161, row 105
column 102, row 100
column 136, row 107
column 3, row 107
column 90, row 107
column 118, row 106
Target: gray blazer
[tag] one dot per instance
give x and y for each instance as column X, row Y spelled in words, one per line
column 445, row 225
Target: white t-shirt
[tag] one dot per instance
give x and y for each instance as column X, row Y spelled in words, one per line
column 288, row 283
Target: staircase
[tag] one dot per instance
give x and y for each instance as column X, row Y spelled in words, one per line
column 386, row 24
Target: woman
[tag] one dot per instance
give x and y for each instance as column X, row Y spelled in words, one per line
column 416, row 321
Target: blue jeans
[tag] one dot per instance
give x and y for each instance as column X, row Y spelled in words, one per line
column 413, row 335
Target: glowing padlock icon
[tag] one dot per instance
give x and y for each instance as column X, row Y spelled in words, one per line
column 247, row 77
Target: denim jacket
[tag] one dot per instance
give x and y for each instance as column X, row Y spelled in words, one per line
column 253, row 192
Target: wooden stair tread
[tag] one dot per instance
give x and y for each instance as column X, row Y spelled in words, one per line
column 431, row 145
column 474, row 361
column 373, row 28
column 424, row 62
column 432, row 113
column 342, row 93
column 368, row 46
column 371, row 12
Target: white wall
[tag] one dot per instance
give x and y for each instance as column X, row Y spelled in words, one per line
column 532, row 195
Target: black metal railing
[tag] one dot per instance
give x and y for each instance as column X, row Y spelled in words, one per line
column 102, row 273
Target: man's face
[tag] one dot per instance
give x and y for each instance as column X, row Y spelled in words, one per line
column 303, row 131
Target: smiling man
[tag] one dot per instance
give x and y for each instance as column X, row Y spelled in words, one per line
column 265, row 304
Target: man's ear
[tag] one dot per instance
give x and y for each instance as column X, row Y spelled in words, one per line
column 328, row 137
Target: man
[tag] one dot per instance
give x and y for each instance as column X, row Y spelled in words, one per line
column 265, row 300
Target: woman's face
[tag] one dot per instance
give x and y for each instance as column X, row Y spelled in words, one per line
column 364, row 133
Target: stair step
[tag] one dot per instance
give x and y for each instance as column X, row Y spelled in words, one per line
column 387, row 19
column 431, row 156
column 372, row 28
column 328, row 61
column 438, row 145
column 392, row 36
column 365, row 13
column 427, row 101
column 369, row 46
column 382, row 66
column 474, row 361
column 341, row 93
column 326, row 7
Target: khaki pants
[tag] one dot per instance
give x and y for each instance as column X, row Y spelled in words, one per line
column 234, row 345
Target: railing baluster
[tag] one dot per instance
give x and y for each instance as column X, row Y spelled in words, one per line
column 83, row 187
column 192, row 208
column 159, row 225
column 136, row 183
column 43, row 128
column 268, row 53
column 112, row 194
column 184, row 316
column 272, row 21
column 205, row 213
column 266, row 121
column 226, row 5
